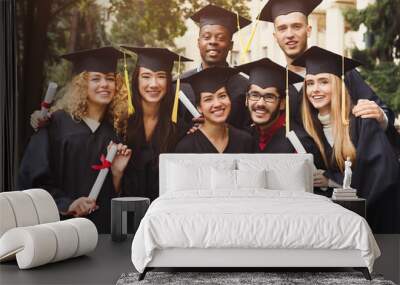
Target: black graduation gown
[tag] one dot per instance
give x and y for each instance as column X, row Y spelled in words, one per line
column 237, row 87
column 141, row 176
column 357, row 89
column 375, row 174
column 277, row 144
column 238, row 142
column 59, row 159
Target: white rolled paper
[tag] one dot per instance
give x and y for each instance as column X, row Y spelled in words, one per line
column 7, row 218
column 186, row 102
column 23, row 208
column 49, row 97
column 95, row 191
column 296, row 143
column 45, row 205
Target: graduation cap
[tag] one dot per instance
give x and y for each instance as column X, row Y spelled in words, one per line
column 266, row 73
column 156, row 59
column 214, row 15
column 210, row 79
column 160, row 59
column 275, row 8
column 317, row 60
column 102, row 60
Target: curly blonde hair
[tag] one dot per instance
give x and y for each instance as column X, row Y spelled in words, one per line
column 75, row 102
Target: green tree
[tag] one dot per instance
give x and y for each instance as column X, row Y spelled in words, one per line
column 46, row 29
column 159, row 22
column 382, row 55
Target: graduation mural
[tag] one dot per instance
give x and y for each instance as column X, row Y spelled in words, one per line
column 120, row 77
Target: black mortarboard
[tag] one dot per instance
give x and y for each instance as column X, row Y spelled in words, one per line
column 214, row 15
column 275, row 8
column 210, row 79
column 102, row 60
column 156, row 59
column 317, row 60
column 266, row 73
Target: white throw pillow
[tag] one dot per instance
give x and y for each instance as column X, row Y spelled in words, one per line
column 223, row 179
column 280, row 180
column 281, row 174
column 183, row 178
column 189, row 175
column 251, row 178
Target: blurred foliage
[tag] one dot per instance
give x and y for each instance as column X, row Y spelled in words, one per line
column 81, row 26
column 158, row 22
column 382, row 55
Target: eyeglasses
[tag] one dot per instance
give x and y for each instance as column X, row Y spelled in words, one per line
column 269, row 98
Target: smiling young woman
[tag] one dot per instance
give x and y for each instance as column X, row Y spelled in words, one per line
column 338, row 135
column 151, row 130
column 91, row 113
column 213, row 101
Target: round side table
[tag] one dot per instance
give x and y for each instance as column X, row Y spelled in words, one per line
column 119, row 208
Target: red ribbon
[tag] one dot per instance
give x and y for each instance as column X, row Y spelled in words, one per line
column 104, row 163
column 45, row 105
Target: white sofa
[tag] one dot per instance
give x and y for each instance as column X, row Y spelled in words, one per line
column 31, row 231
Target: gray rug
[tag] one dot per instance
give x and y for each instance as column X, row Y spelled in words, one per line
column 242, row 278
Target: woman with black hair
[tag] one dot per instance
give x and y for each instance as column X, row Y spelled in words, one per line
column 214, row 103
column 151, row 128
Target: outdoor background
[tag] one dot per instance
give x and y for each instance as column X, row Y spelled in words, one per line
column 367, row 30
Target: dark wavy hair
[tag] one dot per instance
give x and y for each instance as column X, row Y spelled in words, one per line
column 165, row 136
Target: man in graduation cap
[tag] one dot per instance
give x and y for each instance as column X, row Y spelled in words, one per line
column 291, row 32
column 265, row 101
column 217, row 27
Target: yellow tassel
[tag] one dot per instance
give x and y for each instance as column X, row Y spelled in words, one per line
column 344, row 119
column 287, row 112
column 131, row 109
column 243, row 57
column 245, row 48
column 174, row 115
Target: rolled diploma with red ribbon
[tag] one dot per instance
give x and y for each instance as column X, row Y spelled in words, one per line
column 98, row 184
column 48, row 98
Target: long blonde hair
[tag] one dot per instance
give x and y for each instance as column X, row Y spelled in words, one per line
column 342, row 145
column 74, row 102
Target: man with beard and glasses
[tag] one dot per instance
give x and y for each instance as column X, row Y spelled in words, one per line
column 217, row 27
column 291, row 32
column 265, row 100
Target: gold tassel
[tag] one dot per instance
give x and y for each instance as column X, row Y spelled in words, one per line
column 174, row 115
column 245, row 48
column 287, row 112
column 344, row 119
column 131, row 109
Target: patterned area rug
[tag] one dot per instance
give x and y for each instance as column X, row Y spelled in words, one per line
column 242, row 278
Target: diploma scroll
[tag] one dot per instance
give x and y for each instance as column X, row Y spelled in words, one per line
column 48, row 98
column 98, row 184
column 185, row 101
column 296, row 143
